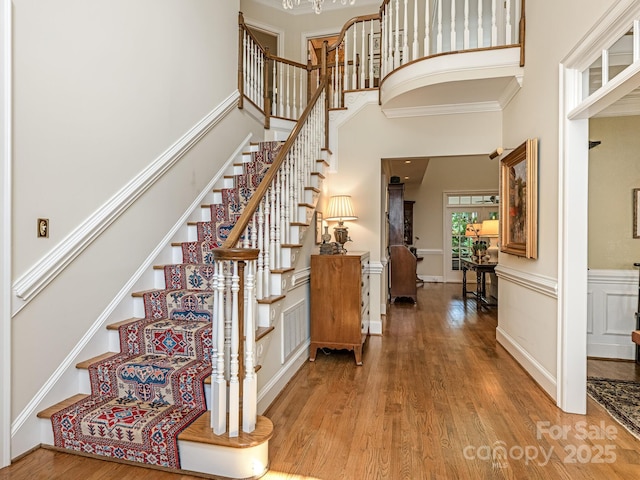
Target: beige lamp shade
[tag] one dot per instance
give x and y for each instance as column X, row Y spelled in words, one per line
column 340, row 209
column 489, row 228
column 473, row 230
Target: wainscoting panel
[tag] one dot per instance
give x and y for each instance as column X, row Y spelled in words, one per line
column 611, row 307
column 295, row 329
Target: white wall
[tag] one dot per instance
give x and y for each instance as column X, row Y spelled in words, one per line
column 527, row 311
column 367, row 137
column 102, row 90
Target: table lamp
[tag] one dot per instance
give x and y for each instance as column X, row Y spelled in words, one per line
column 490, row 230
column 341, row 209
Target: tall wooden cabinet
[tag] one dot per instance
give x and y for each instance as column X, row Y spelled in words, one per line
column 403, row 264
column 339, row 302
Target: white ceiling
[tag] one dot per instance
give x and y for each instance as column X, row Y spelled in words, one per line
column 305, row 6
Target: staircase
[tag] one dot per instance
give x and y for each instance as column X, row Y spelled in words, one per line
column 186, row 354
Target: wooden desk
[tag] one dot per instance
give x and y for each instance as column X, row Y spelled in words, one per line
column 481, row 270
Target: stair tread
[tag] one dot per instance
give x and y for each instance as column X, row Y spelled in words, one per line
column 117, row 325
column 283, row 270
column 48, row 412
column 291, row 245
column 200, row 431
column 262, row 332
column 271, row 299
column 299, row 224
column 85, row 363
column 317, row 190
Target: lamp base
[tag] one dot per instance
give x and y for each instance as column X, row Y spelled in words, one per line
column 341, row 234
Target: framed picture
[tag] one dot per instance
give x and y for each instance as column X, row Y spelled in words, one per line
column 636, row 213
column 318, row 223
column 375, row 46
column 519, row 201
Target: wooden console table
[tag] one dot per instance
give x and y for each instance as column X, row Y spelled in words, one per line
column 481, row 270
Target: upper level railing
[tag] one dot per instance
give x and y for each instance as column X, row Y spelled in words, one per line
column 404, row 31
column 276, row 86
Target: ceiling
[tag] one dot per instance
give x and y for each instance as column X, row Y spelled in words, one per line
column 410, row 170
column 305, row 7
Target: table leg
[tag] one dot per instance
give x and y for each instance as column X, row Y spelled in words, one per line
column 464, row 282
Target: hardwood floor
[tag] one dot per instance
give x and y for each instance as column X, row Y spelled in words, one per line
column 436, row 398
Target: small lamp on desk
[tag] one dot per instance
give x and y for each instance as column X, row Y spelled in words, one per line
column 490, row 230
column 341, row 209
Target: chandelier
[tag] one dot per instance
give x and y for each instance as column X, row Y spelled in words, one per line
column 315, row 4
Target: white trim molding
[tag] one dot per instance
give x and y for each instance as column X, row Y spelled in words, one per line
column 46, row 269
column 528, row 362
column 538, row 283
column 125, row 293
column 6, row 158
column 573, row 193
column 430, row 251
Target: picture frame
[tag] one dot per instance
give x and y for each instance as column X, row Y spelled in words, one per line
column 519, row 201
column 377, row 43
column 318, row 224
column 636, row 213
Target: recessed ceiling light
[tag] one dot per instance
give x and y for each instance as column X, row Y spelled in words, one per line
column 407, row 161
column 406, row 178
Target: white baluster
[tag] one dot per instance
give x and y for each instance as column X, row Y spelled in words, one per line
column 266, row 287
column 234, row 385
column 354, row 76
column 244, row 63
column 414, row 53
column 218, row 382
column 371, row 55
column 480, row 27
column 295, row 90
column 274, row 87
column 465, row 40
column 439, row 36
column 260, row 247
column 508, row 28
column 347, row 77
column 494, row 25
column 272, row 228
column 281, row 92
column 405, row 26
column 453, row 45
column 260, row 92
column 338, row 78
column 249, row 385
column 276, row 221
column 288, row 91
column 396, row 45
column 605, row 67
column 427, row 30
column 383, row 43
column 363, row 55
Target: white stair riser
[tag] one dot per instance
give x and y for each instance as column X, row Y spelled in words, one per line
column 280, row 282
column 297, row 233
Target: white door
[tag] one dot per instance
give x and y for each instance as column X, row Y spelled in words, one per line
column 461, row 209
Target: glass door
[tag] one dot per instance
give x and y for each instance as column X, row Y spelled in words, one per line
column 460, row 210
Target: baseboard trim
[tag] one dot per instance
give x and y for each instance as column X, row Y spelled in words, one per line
column 48, row 268
column 270, row 391
column 540, row 374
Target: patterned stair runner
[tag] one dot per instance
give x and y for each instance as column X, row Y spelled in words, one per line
column 144, row 396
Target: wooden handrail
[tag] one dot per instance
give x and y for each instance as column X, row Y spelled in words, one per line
column 362, row 18
column 254, row 202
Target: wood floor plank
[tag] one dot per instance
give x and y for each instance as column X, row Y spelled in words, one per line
column 436, row 398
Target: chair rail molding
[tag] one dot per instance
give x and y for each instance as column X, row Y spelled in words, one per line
column 48, row 268
column 539, row 283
